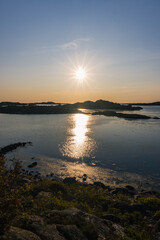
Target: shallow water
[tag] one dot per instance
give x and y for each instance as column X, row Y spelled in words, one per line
column 104, row 148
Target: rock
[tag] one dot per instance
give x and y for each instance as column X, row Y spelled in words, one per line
column 11, row 147
column 67, row 214
column 99, row 184
column 130, row 188
column 123, row 191
column 32, row 222
column 73, row 216
column 46, row 232
column 44, row 194
column 121, row 115
column 70, row 180
column 71, row 232
column 84, row 177
column 112, row 218
column 32, row 165
column 27, row 180
column 19, row 234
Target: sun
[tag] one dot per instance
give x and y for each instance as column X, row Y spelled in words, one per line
column 80, row 74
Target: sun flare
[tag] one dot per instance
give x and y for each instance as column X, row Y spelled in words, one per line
column 80, row 74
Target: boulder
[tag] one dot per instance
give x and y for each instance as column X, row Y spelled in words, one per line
column 99, row 184
column 46, row 232
column 72, row 216
column 19, row 234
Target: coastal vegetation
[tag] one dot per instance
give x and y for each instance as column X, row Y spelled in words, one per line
column 69, row 209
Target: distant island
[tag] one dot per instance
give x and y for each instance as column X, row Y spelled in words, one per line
column 123, row 115
column 42, row 108
column 101, row 107
column 103, row 104
column 24, row 104
column 147, row 104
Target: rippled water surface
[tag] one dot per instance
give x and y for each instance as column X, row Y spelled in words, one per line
column 102, row 147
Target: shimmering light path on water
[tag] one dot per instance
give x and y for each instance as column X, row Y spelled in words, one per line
column 78, row 144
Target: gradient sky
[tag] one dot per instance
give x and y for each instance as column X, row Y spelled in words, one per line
column 43, row 41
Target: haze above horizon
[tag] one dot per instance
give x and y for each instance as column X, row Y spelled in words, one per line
column 77, row 50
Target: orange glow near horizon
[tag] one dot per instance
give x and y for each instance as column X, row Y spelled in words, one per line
column 72, row 96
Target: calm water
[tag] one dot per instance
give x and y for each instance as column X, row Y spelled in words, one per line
column 105, row 148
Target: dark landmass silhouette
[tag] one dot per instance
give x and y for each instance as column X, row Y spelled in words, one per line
column 123, row 115
column 102, row 104
column 32, row 108
column 23, row 104
column 147, row 104
column 14, row 146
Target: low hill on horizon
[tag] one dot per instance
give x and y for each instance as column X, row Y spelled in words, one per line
column 63, row 108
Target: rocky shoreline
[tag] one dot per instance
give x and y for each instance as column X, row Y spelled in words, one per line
column 70, row 210
column 36, row 208
column 122, row 206
column 14, row 146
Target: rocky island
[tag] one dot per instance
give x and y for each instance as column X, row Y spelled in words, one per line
column 123, row 115
column 32, row 108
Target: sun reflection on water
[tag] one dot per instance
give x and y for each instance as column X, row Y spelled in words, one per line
column 78, row 144
column 80, row 129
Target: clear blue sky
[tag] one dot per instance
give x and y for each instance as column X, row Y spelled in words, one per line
column 43, row 42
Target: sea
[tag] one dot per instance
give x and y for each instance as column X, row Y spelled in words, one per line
column 91, row 148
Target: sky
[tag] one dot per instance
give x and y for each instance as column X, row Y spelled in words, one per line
column 43, row 42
